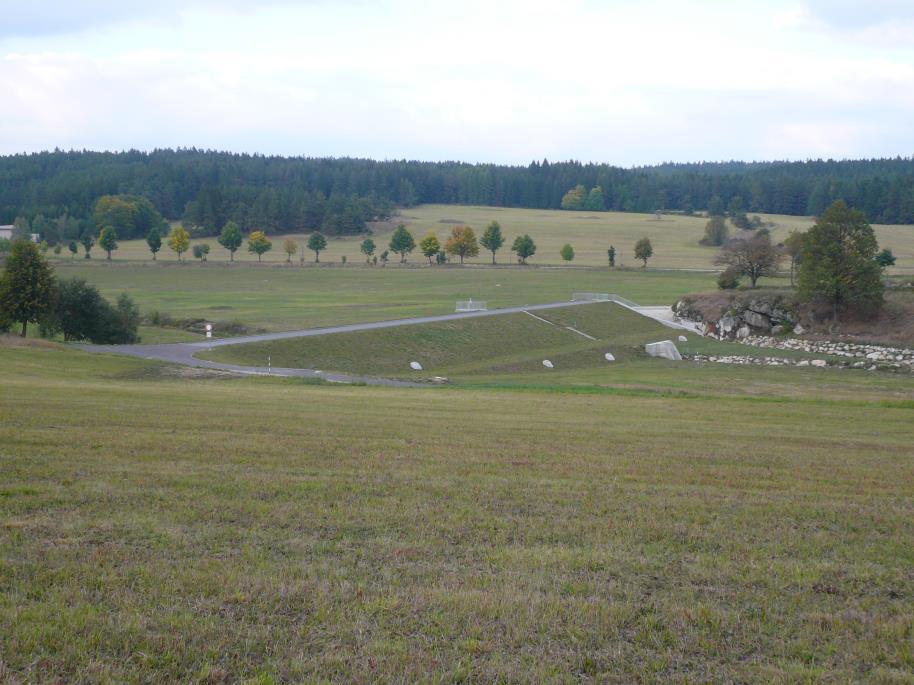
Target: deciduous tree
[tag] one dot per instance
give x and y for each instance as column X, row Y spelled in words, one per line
column 754, row 256
column 317, row 243
column 154, row 241
column 716, row 232
column 838, row 262
column 367, row 248
column 462, row 243
column 107, row 240
column 611, row 255
column 429, row 246
column 793, row 246
column 492, row 239
column 567, row 252
column 259, row 244
column 885, row 258
column 179, row 241
column 402, row 242
column 200, row 251
column 290, row 247
column 644, row 251
column 87, row 240
column 524, row 247
column 230, row 238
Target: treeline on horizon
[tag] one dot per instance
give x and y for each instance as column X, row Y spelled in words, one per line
column 338, row 196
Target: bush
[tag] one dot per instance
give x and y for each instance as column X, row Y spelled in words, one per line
column 80, row 312
column 728, row 280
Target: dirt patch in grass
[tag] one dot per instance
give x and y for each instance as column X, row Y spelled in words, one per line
column 7, row 340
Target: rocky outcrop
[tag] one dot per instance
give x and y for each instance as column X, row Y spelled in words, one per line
column 743, row 317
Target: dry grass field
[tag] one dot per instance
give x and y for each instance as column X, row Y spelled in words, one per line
column 662, row 525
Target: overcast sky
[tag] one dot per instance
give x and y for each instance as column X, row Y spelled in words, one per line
column 619, row 81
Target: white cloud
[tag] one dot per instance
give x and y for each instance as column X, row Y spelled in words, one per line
column 623, row 82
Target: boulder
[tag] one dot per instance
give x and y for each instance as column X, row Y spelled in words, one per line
column 743, row 332
column 665, row 349
column 727, row 323
column 609, row 357
column 756, row 320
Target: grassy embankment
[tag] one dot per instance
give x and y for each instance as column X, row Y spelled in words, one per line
column 507, row 348
column 166, row 528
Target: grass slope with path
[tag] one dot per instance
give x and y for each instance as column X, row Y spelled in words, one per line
column 508, row 343
column 160, row 524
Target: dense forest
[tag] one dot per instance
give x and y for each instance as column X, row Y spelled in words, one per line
column 277, row 194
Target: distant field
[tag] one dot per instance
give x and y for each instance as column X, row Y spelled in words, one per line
column 281, row 298
column 658, row 522
column 674, row 237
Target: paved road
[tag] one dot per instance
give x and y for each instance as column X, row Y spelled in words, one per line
column 183, row 353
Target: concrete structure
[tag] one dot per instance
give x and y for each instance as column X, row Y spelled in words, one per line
column 665, row 348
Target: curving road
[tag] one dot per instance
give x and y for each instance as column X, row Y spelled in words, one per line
column 183, row 353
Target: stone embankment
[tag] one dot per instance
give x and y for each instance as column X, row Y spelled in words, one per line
column 743, row 319
column 839, row 354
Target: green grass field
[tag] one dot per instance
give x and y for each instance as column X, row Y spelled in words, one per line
column 281, row 298
column 674, row 237
column 667, row 524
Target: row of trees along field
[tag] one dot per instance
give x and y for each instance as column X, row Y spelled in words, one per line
column 337, row 196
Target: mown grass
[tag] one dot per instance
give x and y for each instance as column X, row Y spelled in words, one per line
column 277, row 298
column 515, row 343
column 164, row 529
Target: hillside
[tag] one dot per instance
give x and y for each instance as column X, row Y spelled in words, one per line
column 282, row 193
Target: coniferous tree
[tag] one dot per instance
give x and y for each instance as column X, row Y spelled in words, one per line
column 27, row 286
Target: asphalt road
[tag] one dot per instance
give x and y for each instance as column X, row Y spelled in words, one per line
column 183, row 353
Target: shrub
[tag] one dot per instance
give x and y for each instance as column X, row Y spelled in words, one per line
column 81, row 313
column 728, row 280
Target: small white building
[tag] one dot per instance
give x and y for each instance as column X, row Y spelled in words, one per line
column 6, row 232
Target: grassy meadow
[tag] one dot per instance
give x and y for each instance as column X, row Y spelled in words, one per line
column 674, row 238
column 282, row 298
column 668, row 523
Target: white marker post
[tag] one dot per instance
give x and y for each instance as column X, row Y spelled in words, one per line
column 209, row 330
column 269, row 365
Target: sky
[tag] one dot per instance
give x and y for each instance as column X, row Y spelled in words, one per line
column 627, row 82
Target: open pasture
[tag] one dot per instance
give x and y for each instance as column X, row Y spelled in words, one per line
column 285, row 298
column 674, row 238
column 160, row 526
